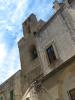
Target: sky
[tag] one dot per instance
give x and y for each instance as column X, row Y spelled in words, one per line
column 12, row 15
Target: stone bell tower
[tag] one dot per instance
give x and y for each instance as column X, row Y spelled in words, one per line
column 29, row 55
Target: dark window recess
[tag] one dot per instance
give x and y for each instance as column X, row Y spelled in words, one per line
column 51, row 54
column 70, row 1
column 1, row 98
column 33, row 52
column 27, row 99
column 11, row 95
column 34, row 33
column 72, row 94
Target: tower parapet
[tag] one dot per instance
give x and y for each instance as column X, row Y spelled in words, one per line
column 32, row 25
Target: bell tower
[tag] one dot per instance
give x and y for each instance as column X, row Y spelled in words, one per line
column 29, row 55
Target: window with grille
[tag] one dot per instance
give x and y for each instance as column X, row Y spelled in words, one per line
column 51, row 54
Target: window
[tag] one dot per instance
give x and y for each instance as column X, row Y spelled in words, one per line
column 72, row 94
column 27, row 99
column 70, row 1
column 34, row 33
column 1, row 97
column 33, row 52
column 51, row 54
column 11, row 95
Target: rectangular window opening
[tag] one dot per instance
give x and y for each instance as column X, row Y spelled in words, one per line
column 51, row 54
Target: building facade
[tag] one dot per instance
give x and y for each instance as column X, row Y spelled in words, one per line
column 47, row 54
column 11, row 89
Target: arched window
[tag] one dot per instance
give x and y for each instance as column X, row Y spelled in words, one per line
column 70, row 1
column 33, row 52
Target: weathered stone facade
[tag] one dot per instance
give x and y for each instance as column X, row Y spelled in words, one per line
column 58, row 33
column 47, row 55
column 11, row 89
column 55, row 85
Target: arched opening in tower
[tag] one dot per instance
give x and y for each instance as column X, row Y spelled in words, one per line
column 70, row 1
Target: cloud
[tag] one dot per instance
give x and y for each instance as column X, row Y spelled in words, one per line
column 19, row 10
column 41, row 9
column 3, row 53
column 12, row 61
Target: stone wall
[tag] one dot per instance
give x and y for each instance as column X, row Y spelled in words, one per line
column 55, row 85
column 31, row 69
column 12, row 84
column 55, row 32
column 61, row 82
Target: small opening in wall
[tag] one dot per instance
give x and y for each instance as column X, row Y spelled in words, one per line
column 27, row 99
column 71, row 94
column 70, row 1
column 33, row 52
column 51, row 54
column 34, row 33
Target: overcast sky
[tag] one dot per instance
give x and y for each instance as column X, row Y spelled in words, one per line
column 12, row 14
